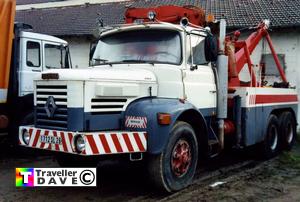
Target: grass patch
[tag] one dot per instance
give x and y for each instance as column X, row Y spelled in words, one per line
column 290, row 159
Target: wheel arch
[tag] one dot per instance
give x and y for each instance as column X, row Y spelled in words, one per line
column 278, row 112
column 194, row 117
column 158, row 135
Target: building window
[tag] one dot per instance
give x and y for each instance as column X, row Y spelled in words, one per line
column 33, row 58
column 270, row 66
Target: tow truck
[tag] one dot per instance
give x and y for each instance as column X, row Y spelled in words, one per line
column 164, row 88
column 23, row 55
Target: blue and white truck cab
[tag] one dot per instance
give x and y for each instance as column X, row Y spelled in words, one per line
column 157, row 92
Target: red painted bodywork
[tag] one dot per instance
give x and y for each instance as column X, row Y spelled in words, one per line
column 171, row 14
column 229, row 127
column 266, row 99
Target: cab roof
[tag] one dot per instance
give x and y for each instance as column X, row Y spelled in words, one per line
column 43, row 37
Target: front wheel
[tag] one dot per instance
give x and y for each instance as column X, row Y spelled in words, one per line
column 174, row 168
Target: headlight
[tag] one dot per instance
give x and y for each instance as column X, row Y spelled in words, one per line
column 25, row 136
column 151, row 15
column 79, row 143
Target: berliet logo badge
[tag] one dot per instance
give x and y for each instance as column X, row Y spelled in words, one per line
column 50, row 107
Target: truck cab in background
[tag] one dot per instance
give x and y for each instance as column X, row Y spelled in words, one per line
column 32, row 54
column 39, row 52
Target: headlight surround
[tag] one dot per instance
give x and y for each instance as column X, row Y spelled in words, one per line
column 26, row 136
column 79, row 143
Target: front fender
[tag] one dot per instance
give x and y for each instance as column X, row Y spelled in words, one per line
column 148, row 108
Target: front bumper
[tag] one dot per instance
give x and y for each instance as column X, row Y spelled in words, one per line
column 96, row 143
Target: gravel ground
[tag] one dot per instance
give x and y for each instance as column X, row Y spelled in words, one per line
column 243, row 178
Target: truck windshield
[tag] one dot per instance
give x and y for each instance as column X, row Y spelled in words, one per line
column 139, row 46
column 56, row 56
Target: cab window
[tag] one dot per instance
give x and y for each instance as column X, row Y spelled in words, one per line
column 196, row 50
column 54, row 55
column 33, row 58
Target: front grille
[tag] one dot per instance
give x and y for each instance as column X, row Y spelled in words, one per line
column 107, row 105
column 59, row 120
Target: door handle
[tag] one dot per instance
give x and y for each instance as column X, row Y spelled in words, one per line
column 212, row 91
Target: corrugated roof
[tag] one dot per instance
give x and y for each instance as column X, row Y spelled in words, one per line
column 24, row 2
column 82, row 20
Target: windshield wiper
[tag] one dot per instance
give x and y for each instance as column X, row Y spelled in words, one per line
column 100, row 60
column 106, row 62
column 103, row 62
column 51, row 67
column 139, row 61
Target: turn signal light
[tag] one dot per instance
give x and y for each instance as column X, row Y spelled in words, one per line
column 164, row 119
column 210, row 18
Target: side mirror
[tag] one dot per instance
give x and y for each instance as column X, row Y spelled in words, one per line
column 211, row 48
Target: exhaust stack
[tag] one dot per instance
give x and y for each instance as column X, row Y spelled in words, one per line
column 223, row 83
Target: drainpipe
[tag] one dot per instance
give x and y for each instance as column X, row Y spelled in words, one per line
column 222, row 66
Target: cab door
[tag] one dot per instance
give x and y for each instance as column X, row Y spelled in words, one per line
column 198, row 76
column 30, row 65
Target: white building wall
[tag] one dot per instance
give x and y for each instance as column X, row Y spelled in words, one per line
column 79, row 49
column 288, row 43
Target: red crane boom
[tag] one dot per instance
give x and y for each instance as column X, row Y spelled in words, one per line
column 243, row 51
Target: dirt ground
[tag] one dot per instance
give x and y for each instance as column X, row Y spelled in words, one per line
column 244, row 179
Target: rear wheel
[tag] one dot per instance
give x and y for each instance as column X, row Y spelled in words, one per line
column 270, row 146
column 287, row 128
column 174, row 168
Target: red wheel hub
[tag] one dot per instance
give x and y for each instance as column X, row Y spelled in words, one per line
column 181, row 158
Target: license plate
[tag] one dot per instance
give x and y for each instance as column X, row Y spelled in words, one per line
column 50, row 139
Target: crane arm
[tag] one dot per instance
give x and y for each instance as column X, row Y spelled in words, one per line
column 245, row 48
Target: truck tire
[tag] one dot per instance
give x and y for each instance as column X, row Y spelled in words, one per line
column 287, row 130
column 174, row 168
column 270, row 145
